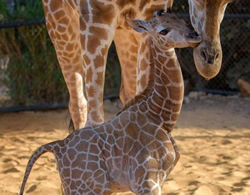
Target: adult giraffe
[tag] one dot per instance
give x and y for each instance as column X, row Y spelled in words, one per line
column 82, row 31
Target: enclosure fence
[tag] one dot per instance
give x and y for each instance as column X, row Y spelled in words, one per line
column 30, row 76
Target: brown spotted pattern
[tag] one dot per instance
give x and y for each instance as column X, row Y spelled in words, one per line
column 82, row 31
column 206, row 17
column 135, row 150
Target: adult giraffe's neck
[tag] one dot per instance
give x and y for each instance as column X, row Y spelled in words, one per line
column 165, row 99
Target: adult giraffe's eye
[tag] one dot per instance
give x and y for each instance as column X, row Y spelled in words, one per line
column 164, row 32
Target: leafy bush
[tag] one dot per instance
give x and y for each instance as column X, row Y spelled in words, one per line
column 113, row 73
column 33, row 74
column 21, row 11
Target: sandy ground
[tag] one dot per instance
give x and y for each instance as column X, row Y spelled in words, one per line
column 213, row 134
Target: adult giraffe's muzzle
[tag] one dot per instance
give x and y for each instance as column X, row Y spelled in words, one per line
column 208, row 57
column 206, row 17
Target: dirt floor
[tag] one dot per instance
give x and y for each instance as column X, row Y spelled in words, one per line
column 213, row 133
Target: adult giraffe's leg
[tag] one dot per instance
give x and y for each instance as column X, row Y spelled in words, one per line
column 126, row 43
column 62, row 20
column 96, row 36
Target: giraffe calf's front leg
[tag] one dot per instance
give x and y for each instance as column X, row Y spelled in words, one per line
column 176, row 149
column 150, row 185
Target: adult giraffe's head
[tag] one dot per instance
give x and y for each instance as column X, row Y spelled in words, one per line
column 206, row 17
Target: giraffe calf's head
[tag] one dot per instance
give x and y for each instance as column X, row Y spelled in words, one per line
column 167, row 30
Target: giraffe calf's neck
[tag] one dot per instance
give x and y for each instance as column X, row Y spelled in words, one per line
column 135, row 150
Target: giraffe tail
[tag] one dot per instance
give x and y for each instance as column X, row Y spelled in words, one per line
column 43, row 149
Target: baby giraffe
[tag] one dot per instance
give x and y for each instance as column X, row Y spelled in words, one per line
column 134, row 151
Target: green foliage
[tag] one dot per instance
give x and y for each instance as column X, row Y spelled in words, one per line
column 3, row 11
column 180, row 7
column 33, row 72
column 22, row 11
column 31, row 10
column 33, row 75
column 113, row 73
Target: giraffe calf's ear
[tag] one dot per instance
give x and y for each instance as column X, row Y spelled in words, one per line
column 138, row 25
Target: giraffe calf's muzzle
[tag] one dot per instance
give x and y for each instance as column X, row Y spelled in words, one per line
column 193, row 38
column 193, row 34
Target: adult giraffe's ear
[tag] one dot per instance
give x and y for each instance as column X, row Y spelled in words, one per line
column 139, row 25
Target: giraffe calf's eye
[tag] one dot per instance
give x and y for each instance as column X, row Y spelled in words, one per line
column 164, row 32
